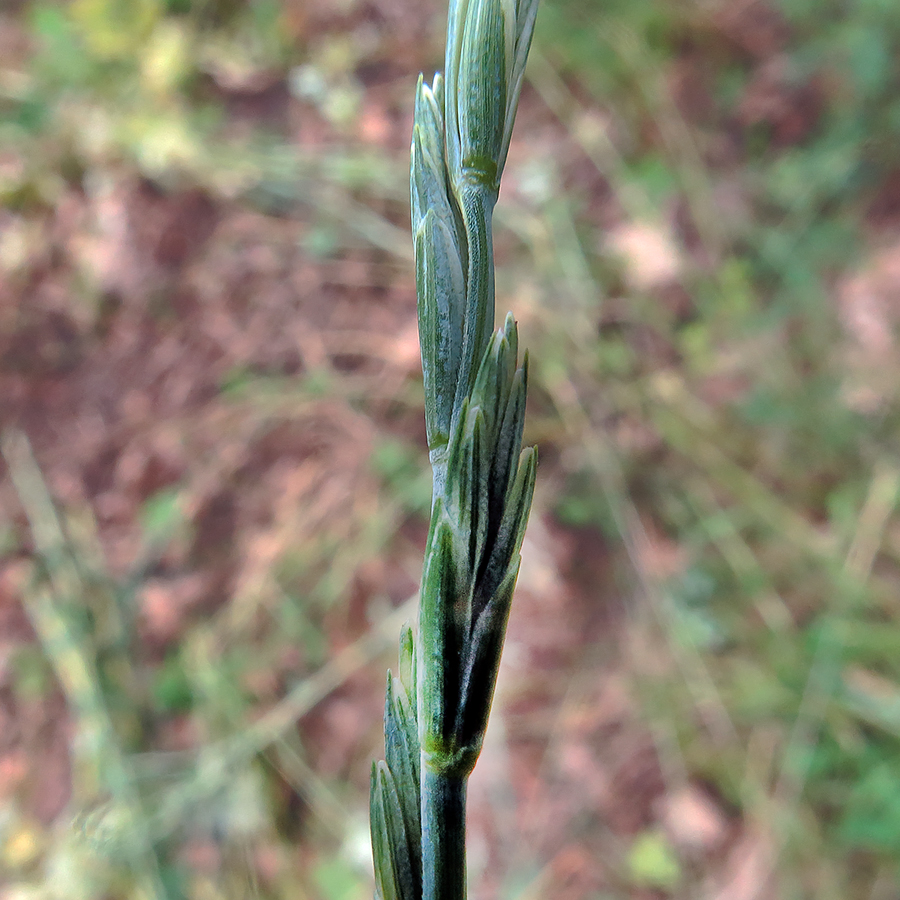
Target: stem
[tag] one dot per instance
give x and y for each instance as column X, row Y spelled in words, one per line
column 443, row 836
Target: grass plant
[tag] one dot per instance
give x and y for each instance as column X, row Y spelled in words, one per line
column 729, row 430
column 436, row 712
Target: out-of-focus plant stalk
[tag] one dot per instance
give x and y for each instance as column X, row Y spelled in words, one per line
column 436, row 712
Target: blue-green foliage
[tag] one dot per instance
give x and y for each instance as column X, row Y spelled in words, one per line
column 483, row 481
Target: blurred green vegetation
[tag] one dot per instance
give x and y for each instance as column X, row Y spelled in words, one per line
column 699, row 193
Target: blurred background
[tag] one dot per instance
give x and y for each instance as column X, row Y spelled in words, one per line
column 214, row 488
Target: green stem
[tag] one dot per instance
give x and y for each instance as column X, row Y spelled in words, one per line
column 443, row 836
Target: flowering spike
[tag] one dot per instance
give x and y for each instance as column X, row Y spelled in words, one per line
column 436, row 712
